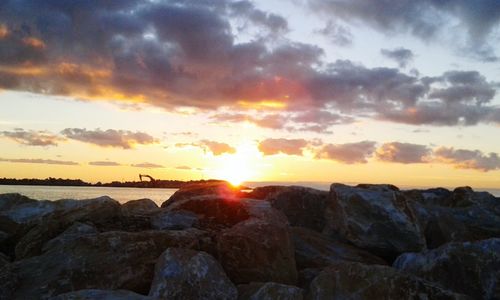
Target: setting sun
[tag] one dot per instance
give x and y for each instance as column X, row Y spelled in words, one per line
column 238, row 167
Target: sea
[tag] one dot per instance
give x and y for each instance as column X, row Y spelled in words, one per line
column 122, row 194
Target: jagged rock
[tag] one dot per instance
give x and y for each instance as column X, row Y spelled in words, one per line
column 97, row 211
column 175, row 220
column 4, row 259
column 91, row 294
column 472, row 268
column 458, row 216
column 109, row 260
column 138, row 207
column 377, row 218
column 219, row 189
column 348, row 280
column 188, row 274
column 260, row 248
column 306, row 276
column 72, row 233
column 21, row 210
column 3, row 236
column 302, row 206
column 313, row 250
column 269, row 291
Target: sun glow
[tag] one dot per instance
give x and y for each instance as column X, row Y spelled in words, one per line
column 240, row 166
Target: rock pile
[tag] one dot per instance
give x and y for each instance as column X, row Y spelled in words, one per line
column 213, row 241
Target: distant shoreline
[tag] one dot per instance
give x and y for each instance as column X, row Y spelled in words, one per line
column 160, row 184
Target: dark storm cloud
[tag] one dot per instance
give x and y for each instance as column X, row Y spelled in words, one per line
column 284, row 146
column 425, row 19
column 39, row 161
column 400, row 55
column 105, row 163
column 32, row 137
column 109, row 138
column 468, row 159
column 405, row 153
column 184, row 54
column 349, row 153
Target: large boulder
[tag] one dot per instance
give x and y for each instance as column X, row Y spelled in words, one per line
column 110, row 260
column 189, row 274
column 471, row 268
column 375, row 217
column 217, row 188
column 139, row 207
column 260, row 248
column 458, row 216
column 313, row 250
column 348, row 280
column 269, row 291
column 305, row 207
column 100, row 211
column 93, row 294
column 174, row 220
column 72, row 233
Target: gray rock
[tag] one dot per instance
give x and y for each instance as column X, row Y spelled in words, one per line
column 471, row 268
column 72, row 233
column 377, row 218
column 348, row 280
column 304, row 207
column 188, row 274
column 269, row 291
column 92, row 294
column 4, row 259
column 215, row 188
column 313, row 250
column 139, row 207
column 110, row 260
column 175, row 220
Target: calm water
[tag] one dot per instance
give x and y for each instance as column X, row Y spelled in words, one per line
column 76, row 192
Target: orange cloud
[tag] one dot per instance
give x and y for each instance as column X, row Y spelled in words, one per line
column 4, row 31
column 34, row 42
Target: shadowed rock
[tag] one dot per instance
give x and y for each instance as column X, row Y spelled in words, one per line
column 110, row 260
column 174, row 220
column 91, row 294
column 269, row 291
column 377, row 218
column 138, row 207
column 347, row 280
column 313, row 250
column 188, row 274
column 220, row 189
column 472, row 268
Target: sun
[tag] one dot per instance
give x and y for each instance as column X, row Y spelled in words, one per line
column 238, row 167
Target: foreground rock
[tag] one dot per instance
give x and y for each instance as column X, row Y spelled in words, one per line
column 304, row 207
column 139, row 207
column 313, row 250
column 469, row 268
column 175, row 220
column 346, row 280
column 102, row 295
column 259, row 249
column 375, row 217
column 188, row 274
column 219, row 189
column 458, row 216
column 110, row 260
column 269, row 291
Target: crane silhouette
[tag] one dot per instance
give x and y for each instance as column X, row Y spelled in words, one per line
column 151, row 179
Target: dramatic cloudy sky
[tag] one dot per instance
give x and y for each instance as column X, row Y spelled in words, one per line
column 287, row 90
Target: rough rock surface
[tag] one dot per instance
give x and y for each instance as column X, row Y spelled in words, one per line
column 175, row 220
column 220, row 189
column 138, row 207
column 302, row 206
column 188, row 274
column 110, row 260
column 346, row 280
column 269, row 291
column 97, row 211
column 375, row 217
column 92, row 294
column 259, row 249
column 4, row 259
column 471, row 268
column 72, row 233
column 313, row 250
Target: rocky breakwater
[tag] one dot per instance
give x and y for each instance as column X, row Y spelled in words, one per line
column 213, row 241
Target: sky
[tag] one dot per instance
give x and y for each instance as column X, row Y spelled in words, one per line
column 370, row 91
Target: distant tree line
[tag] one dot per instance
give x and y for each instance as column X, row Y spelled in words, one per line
column 78, row 182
